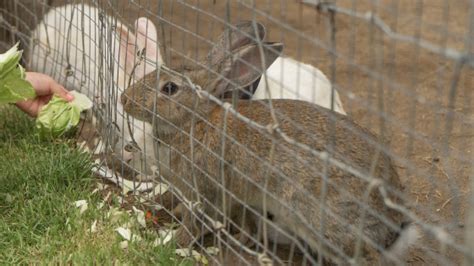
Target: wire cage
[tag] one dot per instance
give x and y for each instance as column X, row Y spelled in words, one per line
column 275, row 132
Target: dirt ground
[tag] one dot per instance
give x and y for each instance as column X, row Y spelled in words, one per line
column 429, row 116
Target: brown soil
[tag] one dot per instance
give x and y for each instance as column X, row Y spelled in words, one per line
column 432, row 137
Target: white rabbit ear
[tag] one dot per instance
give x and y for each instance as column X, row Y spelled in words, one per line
column 127, row 49
column 147, row 38
column 244, row 66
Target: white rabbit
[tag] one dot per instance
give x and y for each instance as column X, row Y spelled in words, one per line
column 291, row 79
column 86, row 50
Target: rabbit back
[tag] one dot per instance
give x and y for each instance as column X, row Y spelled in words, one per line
column 291, row 79
column 61, row 48
column 292, row 178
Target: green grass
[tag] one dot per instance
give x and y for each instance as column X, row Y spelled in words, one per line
column 39, row 182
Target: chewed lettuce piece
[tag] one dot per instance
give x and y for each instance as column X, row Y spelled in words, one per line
column 9, row 60
column 81, row 100
column 59, row 116
column 13, row 86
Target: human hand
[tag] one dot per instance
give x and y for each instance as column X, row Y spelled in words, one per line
column 45, row 87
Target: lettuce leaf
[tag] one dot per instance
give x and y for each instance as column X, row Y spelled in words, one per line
column 59, row 116
column 13, row 86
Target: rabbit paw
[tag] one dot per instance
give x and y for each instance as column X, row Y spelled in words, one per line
column 244, row 235
column 190, row 228
column 178, row 212
column 183, row 237
column 244, row 239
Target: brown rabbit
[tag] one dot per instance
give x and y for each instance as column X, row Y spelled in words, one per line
column 229, row 165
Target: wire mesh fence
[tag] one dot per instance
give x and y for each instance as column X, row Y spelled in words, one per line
column 280, row 132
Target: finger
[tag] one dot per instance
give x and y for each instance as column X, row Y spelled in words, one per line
column 45, row 85
column 40, row 82
column 56, row 88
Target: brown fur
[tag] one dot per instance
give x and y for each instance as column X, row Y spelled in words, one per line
column 290, row 181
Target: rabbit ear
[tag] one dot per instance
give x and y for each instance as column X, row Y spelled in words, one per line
column 147, row 38
column 244, row 66
column 127, row 48
column 131, row 45
column 245, row 33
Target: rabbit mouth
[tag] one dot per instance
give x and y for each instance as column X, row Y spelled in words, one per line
column 163, row 128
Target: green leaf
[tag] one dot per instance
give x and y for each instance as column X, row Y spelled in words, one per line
column 57, row 118
column 9, row 60
column 15, row 90
column 13, row 86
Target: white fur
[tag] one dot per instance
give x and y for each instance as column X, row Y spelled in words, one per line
column 408, row 237
column 291, row 79
column 120, row 46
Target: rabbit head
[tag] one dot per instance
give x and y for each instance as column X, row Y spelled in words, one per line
column 134, row 54
column 174, row 97
column 138, row 55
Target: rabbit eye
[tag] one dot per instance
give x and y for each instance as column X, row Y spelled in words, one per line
column 169, row 88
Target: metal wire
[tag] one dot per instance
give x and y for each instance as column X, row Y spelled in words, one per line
column 391, row 68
